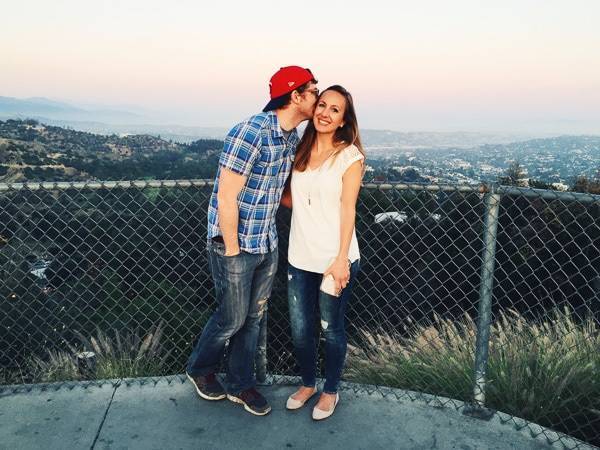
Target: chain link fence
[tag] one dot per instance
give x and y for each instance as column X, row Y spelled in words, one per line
column 486, row 295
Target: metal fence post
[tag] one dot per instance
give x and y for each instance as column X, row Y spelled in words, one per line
column 492, row 207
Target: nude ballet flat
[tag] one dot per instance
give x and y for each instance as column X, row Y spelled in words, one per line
column 319, row 414
column 292, row 403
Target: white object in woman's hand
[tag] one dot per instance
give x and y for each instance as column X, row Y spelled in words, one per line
column 328, row 286
column 340, row 271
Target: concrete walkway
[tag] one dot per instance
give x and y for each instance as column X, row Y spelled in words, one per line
column 170, row 415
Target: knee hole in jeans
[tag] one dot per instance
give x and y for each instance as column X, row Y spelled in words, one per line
column 262, row 305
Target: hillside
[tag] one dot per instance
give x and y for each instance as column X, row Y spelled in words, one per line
column 30, row 151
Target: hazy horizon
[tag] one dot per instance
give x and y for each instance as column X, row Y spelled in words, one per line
column 519, row 67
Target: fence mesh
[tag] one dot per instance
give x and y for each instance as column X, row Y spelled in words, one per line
column 119, row 269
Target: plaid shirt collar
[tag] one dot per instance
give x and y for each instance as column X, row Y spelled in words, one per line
column 278, row 132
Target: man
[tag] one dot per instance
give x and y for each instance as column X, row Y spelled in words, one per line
column 242, row 238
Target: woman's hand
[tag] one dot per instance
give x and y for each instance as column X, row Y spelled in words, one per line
column 340, row 270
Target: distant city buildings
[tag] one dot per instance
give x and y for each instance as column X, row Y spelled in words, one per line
column 554, row 161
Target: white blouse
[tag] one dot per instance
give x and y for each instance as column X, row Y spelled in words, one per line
column 316, row 213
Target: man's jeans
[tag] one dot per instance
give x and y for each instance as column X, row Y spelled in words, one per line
column 243, row 284
column 303, row 296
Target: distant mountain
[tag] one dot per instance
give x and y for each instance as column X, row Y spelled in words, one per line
column 177, row 133
column 100, row 121
column 39, row 107
column 36, row 105
column 110, row 121
column 382, row 140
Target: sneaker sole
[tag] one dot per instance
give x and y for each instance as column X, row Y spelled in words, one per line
column 246, row 407
column 201, row 394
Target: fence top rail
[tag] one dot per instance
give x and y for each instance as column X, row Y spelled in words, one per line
column 123, row 184
column 427, row 187
column 64, row 185
column 140, row 184
column 547, row 194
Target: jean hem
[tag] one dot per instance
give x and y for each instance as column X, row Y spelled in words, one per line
column 238, row 391
column 200, row 372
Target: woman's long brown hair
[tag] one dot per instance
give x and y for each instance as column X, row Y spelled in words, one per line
column 348, row 134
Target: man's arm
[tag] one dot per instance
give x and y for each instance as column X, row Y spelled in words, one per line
column 230, row 185
column 240, row 150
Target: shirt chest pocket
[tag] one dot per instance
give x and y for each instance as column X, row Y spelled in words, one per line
column 270, row 160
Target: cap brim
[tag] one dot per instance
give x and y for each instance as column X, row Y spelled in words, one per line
column 271, row 105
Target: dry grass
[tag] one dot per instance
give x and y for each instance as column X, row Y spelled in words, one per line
column 118, row 356
column 546, row 371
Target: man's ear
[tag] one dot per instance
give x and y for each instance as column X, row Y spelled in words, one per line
column 296, row 96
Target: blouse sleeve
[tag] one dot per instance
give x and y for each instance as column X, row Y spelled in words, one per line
column 351, row 155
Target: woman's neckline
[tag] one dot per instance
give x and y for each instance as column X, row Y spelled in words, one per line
column 331, row 153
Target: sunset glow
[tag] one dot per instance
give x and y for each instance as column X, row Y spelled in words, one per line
column 432, row 66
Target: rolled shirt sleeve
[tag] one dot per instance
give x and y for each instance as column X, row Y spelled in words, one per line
column 241, row 148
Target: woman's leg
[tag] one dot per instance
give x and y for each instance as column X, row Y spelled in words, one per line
column 303, row 294
column 333, row 310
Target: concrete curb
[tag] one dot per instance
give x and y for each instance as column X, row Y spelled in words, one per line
column 537, row 432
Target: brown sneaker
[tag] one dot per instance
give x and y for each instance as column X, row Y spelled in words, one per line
column 208, row 387
column 252, row 400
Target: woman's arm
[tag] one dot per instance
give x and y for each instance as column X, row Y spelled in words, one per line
column 286, row 196
column 350, row 188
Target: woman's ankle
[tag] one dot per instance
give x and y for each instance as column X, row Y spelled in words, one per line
column 307, row 388
column 304, row 392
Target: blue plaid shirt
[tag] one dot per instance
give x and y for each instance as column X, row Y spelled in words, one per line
column 257, row 149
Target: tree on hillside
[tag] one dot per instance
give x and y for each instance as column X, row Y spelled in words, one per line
column 585, row 184
column 3, row 152
column 514, row 175
column 538, row 184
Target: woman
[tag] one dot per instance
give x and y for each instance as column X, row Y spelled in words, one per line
column 325, row 182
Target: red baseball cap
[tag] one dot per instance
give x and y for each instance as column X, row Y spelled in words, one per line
column 286, row 80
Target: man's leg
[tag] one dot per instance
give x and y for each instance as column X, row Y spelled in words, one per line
column 232, row 277
column 242, row 346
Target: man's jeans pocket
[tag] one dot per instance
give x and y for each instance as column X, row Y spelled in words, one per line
column 219, row 248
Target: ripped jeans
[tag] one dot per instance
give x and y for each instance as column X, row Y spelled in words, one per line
column 243, row 284
column 303, row 296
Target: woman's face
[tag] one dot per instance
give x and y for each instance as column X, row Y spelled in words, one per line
column 329, row 112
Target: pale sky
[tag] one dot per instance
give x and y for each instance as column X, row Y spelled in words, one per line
column 516, row 65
